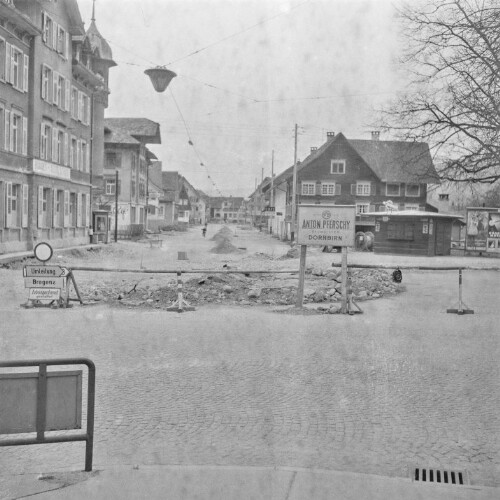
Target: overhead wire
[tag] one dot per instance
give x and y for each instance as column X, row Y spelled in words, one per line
column 191, row 143
column 237, row 33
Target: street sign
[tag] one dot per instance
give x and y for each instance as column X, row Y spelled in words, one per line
column 44, row 294
column 44, row 282
column 45, row 271
column 326, row 225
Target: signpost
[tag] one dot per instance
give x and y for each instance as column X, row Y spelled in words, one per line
column 45, row 283
column 320, row 225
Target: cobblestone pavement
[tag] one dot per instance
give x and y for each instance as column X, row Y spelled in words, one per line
column 403, row 384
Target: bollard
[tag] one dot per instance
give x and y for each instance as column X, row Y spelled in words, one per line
column 180, row 305
column 462, row 307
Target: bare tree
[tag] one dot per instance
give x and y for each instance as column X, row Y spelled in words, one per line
column 452, row 51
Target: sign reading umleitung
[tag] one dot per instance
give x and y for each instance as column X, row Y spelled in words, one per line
column 322, row 225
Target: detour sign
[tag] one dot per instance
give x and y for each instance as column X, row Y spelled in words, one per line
column 326, row 225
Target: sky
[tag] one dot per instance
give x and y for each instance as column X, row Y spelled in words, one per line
column 260, row 67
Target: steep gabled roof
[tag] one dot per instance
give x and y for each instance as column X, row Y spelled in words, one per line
column 397, row 161
column 142, row 129
column 155, row 173
column 170, row 181
column 390, row 161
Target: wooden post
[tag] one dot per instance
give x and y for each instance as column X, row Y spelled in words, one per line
column 302, row 273
column 294, row 188
column 344, row 281
column 116, row 205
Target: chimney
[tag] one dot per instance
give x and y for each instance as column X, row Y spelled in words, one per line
column 330, row 135
column 375, row 135
column 313, row 149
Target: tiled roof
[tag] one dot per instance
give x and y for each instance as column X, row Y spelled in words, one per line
column 170, row 181
column 117, row 136
column 397, row 161
column 216, row 201
column 391, row 161
column 143, row 128
column 155, row 173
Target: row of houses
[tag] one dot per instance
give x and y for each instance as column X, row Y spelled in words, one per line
column 377, row 177
column 67, row 172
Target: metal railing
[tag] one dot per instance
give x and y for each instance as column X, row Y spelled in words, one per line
column 41, row 406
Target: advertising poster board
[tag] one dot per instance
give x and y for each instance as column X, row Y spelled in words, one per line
column 477, row 229
column 320, row 225
column 483, row 229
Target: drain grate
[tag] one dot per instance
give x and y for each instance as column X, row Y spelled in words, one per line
column 440, row 476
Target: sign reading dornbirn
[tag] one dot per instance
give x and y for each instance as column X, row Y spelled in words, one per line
column 319, row 225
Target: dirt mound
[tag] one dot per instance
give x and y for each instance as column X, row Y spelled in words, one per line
column 224, row 246
column 223, row 233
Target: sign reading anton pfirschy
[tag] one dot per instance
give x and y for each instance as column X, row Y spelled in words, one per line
column 326, row 225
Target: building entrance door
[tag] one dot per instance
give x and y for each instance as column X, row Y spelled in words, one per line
column 440, row 247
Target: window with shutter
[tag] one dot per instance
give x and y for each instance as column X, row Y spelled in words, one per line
column 66, row 208
column 353, row 188
column 8, row 56
column 54, row 208
column 25, row 135
column 25, row 205
column 338, row 189
column 7, row 130
column 8, row 204
column 67, row 95
column 68, row 51
column 78, row 165
column 54, row 35
column 26, row 66
column 40, row 206
column 2, row 60
column 87, row 210
column 66, row 149
column 54, row 145
column 78, row 210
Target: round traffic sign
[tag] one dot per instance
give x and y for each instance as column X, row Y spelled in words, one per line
column 43, row 252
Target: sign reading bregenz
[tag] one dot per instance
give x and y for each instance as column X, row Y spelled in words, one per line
column 326, row 225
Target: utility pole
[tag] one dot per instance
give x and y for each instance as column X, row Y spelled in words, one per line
column 294, row 187
column 116, row 206
column 272, row 179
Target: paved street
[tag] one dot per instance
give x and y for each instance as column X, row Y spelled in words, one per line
column 403, row 384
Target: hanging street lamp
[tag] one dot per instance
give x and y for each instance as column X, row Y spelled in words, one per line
column 160, row 77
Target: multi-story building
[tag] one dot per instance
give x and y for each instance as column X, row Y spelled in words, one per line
column 126, row 154
column 17, row 35
column 61, row 74
column 364, row 173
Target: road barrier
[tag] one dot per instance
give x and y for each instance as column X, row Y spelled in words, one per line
column 462, row 307
column 181, row 305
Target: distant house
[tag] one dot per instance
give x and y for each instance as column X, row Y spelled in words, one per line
column 364, row 173
column 155, row 214
column 227, row 209
column 170, row 198
column 125, row 152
